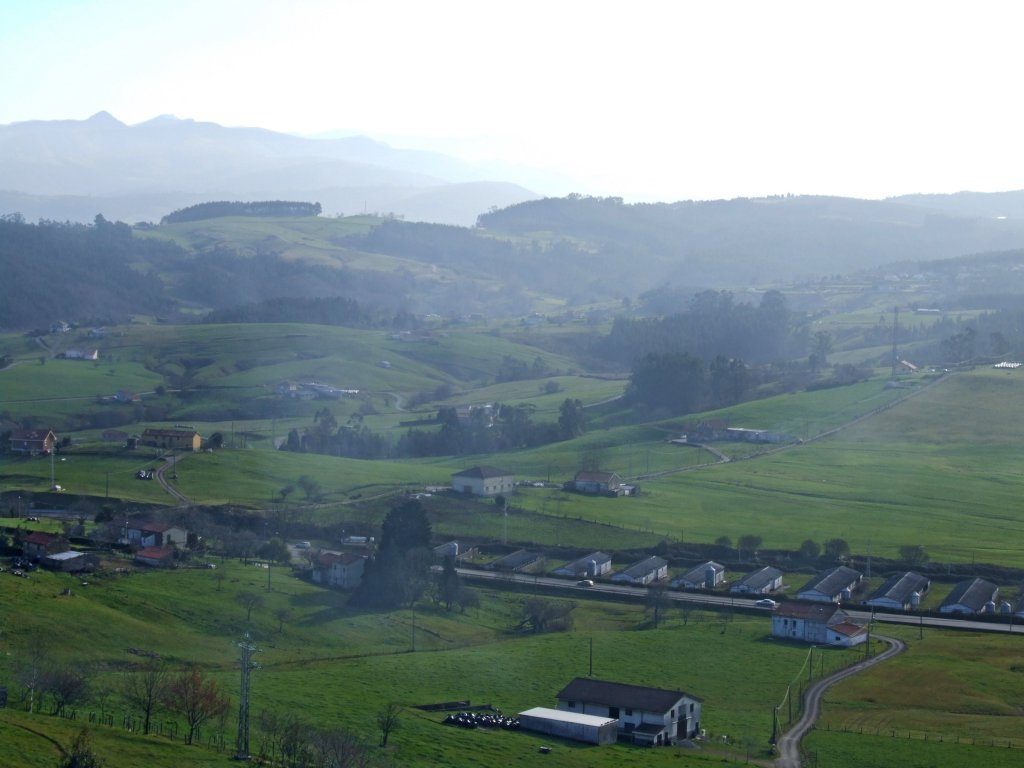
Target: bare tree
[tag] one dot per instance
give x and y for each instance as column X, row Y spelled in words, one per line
column 656, row 602
column 197, row 697
column 31, row 670
column 145, row 687
column 67, row 685
column 388, row 722
column 282, row 615
column 250, row 601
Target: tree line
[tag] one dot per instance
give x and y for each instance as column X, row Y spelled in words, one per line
column 221, row 208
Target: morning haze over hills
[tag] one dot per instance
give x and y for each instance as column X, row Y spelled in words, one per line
column 433, row 441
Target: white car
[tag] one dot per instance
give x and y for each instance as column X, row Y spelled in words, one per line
column 766, row 602
column 585, row 583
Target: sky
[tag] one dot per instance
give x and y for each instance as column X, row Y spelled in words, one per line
column 644, row 100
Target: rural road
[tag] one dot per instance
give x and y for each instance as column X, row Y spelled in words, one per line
column 789, row 742
column 169, row 462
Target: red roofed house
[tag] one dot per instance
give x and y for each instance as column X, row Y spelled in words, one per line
column 154, row 535
column 158, row 557
column 343, row 570
column 39, row 544
column 32, row 441
column 823, row 624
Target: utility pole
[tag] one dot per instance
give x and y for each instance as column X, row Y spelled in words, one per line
column 242, row 743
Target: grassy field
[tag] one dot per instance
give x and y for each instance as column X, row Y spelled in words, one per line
column 339, row 666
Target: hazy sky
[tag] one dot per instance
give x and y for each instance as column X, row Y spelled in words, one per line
column 645, row 100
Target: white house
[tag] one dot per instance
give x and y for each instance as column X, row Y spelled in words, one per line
column 704, row 576
column 763, row 581
column 343, row 570
column 832, row 586
column 483, row 481
column 820, row 624
column 648, row 716
column 646, row 571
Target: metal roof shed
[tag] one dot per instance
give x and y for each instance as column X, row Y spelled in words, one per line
column 591, row 729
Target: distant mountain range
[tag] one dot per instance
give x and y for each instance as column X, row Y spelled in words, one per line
column 75, row 169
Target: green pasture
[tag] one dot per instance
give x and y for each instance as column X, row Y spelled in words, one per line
column 358, row 661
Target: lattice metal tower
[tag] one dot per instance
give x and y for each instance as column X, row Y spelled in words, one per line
column 242, row 743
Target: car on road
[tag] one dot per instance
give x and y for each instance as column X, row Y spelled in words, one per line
column 585, row 583
column 766, row 602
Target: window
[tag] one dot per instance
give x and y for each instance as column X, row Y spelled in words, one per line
column 629, row 712
column 571, row 704
column 691, row 707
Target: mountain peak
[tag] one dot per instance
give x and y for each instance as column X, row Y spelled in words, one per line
column 104, row 118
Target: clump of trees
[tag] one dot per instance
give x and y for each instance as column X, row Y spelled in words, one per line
column 216, row 210
column 398, row 573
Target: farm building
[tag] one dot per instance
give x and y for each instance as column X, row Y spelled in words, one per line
column 344, row 570
column 598, row 483
column 763, row 581
column 646, row 716
column 39, row 544
column 520, row 561
column 593, row 565
column 483, row 481
column 704, row 576
column 69, row 562
column 971, row 596
column 158, row 557
column 646, row 571
column 592, row 729
column 900, row 592
column 822, row 624
column 151, row 534
column 32, row 441
column 172, row 439
column 832, row 586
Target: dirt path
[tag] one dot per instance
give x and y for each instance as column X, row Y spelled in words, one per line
column 789, row 742
column 169, row 462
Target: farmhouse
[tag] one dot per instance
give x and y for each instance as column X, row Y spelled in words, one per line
column 971, row 596
column 598, row 483
column 593, row 565
column 646, row 571
column 172, row 439
column 81, row 354
column 822, row 624
column 343, row 570
column 900, row 592
column 832, row 586
column 763, row 581
column 40, row 544
column 149, row 534
column 704, row 576
column 32, row 441
column 647, row 716
column 483, row 481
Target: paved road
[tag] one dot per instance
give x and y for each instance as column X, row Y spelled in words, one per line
column 789, row 742
column 619, row 591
